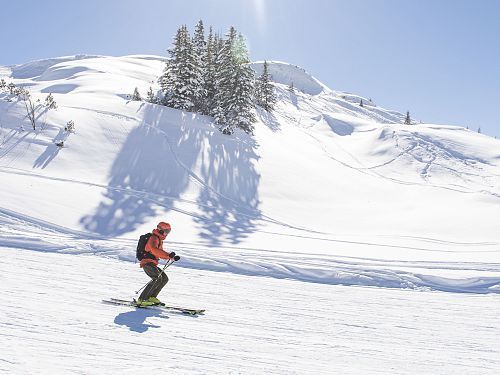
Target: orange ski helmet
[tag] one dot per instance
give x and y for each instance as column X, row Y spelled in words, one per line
column 163, row 227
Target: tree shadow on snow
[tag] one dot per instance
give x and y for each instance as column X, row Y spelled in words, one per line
column 269, row 120
column 136, row 320
column 228, row 200
column 168, row 153
column 142, row 175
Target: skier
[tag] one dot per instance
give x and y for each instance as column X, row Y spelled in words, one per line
column 153, row 251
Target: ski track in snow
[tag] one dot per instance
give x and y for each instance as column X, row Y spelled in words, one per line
column 52, row 321
column 160, row 200
column 417, row 141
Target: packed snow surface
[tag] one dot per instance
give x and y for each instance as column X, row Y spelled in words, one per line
column 326, row 194
column 253, row 325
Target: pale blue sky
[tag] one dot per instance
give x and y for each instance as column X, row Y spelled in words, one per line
column 440, row 59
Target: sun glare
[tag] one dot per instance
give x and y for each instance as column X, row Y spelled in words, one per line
column 260, row 12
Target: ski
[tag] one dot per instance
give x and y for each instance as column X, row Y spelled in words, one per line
column 123, row 302
column 182, row 310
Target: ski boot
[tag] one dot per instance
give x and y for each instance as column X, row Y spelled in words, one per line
column 155, row 301
column 142, row 303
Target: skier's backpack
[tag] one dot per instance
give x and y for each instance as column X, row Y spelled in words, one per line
column 141, row 247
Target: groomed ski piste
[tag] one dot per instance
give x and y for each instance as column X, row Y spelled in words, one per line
column 333, row 240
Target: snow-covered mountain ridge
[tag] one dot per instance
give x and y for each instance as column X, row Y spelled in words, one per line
column 325, row 191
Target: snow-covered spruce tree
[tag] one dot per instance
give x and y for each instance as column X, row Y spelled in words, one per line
column 70, row 126
column 13, row 89
column 407, row 119
column 234, row 86
column 209, row 72
column 223, row 71
column 199, row 63
column 179, row 81
column 264, row 90
column 242, row 104
column 169, row 75
column 136, row 96
column 220, row 63
column 291, row 88
column 361, row 103
column 50, row 103
column 151, row 97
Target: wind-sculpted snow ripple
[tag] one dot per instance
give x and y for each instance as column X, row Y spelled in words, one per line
column 19, row 234
column 349, row 275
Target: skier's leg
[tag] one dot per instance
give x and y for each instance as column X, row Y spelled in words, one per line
column 152, row 271
column 162, row 281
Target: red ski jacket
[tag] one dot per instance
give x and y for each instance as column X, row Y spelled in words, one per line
column 155, row 247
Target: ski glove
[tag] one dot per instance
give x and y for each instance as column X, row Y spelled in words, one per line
column 173, row 256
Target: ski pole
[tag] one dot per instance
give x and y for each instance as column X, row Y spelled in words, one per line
column 166, row 266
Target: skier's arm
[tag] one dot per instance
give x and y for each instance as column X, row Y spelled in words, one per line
column 152, row 247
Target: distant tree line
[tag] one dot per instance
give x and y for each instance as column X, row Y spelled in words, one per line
column 211, row 75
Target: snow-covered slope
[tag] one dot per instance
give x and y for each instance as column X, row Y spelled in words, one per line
column 326, row 190
column 253, row 325
column 280, row 233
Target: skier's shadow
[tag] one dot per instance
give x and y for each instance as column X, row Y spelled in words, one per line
column 136, row 320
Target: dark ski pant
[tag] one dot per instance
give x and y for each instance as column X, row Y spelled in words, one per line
column 158, row 280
